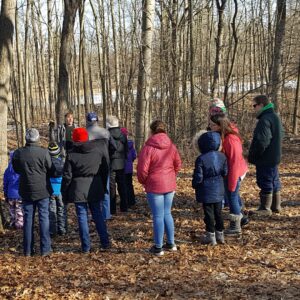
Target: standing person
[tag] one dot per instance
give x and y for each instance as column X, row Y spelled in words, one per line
column 34, row 165
column 11, row 194
column 208, row 182
column 118, row 159
column 64, row 134
column 97, row 132
column 237, row 168
column 84, row 181
column 131, row 156
column 56, row 207
column 158, row 165
column 265, row 154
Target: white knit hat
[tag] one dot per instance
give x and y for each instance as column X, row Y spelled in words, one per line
column 112, row 122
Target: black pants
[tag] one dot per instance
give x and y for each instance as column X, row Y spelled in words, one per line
column 118, row 177
column 130, row 189
column 213, row 218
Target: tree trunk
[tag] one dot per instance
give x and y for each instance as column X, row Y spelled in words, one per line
column 143, row 86
column 296, row 107
column 277, row 59
column 219, row 41
column 7, row 27
column 51, row 98
column 65, row 56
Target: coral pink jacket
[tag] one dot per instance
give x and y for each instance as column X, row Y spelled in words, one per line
column 158, row 164
column 237, row 165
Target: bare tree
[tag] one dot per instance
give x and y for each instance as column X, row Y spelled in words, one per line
column 278, row 46
column 144, row 76
column 70, row 9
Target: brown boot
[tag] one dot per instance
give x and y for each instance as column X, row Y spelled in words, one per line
column 276, row 202
column 265, row 205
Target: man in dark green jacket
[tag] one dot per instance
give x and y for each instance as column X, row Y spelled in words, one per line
column 265, row 154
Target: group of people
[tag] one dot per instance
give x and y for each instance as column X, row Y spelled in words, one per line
column 84, row 165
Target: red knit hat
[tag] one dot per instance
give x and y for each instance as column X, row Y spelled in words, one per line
column 80, row 135
column 124, row 131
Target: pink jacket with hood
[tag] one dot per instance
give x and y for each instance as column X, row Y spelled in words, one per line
column 158, row 164
column 237, row 166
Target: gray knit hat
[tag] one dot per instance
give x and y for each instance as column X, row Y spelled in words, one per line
column 32, row 135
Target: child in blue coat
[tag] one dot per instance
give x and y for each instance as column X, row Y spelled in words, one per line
column 11, row 194
column 210, row 168
column 57, row 213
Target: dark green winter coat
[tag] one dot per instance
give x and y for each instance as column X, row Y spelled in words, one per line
column 265, row 149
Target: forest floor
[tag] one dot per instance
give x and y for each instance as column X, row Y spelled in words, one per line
column 262, row 263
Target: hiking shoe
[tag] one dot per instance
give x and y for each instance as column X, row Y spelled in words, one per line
column 170, row 247
column 156, row 251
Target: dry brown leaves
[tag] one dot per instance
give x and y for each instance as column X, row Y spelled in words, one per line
column 263, row 263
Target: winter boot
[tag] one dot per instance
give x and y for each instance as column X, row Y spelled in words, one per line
column 244, row 220
column 209, row 239
column 234, row 225
column 276, row 202
column 265, row 204
column 220, row 237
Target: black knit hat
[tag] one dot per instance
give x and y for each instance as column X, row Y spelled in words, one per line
column 53, row 149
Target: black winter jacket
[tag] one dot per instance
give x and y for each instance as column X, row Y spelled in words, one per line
column 265, row 149
column 85, row 172
column 34, row 165
column 119, row 156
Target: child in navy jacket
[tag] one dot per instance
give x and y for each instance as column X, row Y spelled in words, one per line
column 57, row 210
column 11, row 194
column 210, row 168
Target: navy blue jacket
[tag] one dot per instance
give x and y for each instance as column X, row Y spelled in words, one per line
column 210, row 168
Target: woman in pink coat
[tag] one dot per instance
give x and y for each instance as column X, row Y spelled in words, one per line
column 237, row 168
column 158, row 165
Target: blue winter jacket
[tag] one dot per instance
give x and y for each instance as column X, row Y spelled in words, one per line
column 210, row 168
column 11, row 181
column 56, row 180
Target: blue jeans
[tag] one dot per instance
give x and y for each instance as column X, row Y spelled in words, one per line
column 160, row 205
column 82, row 217
column 233, row 198
column 267, row 179
column 29, row 208
column 57, row 215
column 105, row 204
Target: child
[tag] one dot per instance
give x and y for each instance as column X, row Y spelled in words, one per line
column 131, row 156
column 210, row 168
column 57, row 215
column 11, row 194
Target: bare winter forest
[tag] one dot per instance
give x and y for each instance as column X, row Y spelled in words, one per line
column 140, row 61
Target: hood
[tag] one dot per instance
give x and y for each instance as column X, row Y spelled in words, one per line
column 209, row 141
column 97, row 133
column 116, row 133
column 159, row 141
column 84, row 147
column 130, row 144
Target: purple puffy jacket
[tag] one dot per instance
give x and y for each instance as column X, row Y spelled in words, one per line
column 131, row 156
